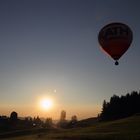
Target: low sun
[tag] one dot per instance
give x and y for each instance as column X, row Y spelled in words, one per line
column 46, row 103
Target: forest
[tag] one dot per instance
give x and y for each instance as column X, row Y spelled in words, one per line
column 120, row 107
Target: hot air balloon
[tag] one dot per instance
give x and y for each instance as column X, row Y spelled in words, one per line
column 115, row 39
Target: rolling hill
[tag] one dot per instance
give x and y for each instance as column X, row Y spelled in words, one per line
column 123, row 129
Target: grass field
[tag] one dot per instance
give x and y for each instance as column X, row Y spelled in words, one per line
column 123, row 129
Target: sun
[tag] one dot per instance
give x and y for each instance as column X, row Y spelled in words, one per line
column 46, row 104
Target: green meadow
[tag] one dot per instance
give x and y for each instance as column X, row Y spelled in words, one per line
column 123, row 129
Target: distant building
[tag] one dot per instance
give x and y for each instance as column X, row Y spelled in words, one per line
column 63, row 116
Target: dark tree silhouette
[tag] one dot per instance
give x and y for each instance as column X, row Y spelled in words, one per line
column 48, row 123
column 37, row 122
column 74, row 119
column 73, row 122
column 120, row 107
column 14, row 116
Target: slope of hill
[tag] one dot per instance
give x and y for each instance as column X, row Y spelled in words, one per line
column 123, row 129
column 86, row 122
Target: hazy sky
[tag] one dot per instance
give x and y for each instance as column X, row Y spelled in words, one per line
column 48, row 45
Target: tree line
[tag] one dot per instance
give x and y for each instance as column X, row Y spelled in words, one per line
column 120, row 107
column 16, row 123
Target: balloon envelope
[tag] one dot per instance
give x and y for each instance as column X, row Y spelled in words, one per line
column 115, row 39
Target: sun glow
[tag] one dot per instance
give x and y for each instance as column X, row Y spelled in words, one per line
column 46, row 103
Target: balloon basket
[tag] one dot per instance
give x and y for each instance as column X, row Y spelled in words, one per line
column 116, row 63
